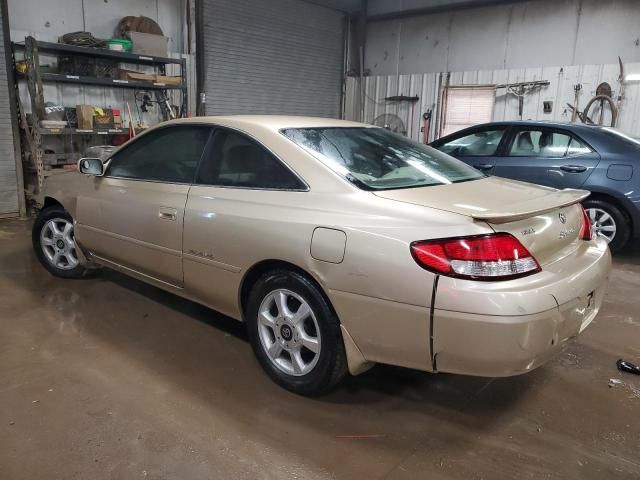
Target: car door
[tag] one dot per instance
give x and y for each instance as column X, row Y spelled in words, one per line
column 232, row 209
column 478, row 147
column 133, row 216
column 547, row 156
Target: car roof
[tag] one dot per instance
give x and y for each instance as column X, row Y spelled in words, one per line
column 542, row 123
column 272, row 122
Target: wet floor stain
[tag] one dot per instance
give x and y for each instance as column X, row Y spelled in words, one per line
column 111, row 378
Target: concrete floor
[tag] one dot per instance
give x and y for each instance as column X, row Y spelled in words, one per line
column 111, row 378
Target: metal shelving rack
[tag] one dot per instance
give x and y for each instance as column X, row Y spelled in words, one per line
column 35, row 78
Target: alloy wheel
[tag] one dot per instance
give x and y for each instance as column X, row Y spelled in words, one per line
column 603, row 223
column 289, row 332
column 58, row 244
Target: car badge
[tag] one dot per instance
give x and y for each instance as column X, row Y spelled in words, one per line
column 562, row 217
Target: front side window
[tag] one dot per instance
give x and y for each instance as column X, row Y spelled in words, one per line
column 169, row 154
column 546, row 144
column 376, row 159
column 236, row 160
column 477, row 144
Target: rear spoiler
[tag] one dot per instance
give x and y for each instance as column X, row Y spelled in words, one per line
column 519, row 211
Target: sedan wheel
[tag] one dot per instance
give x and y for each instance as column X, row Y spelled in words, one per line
column 58, row 244
column 602, row 223
column 609, row 222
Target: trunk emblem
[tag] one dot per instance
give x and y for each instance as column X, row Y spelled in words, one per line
column 562, row 217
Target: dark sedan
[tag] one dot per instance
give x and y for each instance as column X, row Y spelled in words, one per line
column 602, row 160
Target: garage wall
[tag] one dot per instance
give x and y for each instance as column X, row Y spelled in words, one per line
column 537, row 33
column 9, row 204
column 48, row 20
column 560, row 92
column 277, row 57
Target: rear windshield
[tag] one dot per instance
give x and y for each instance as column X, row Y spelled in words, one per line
column 376, row 159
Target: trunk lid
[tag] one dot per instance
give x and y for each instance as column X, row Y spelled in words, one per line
column 547, row 221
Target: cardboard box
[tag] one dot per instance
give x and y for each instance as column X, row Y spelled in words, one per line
column 167, row 79
column 148, row 44
column 136, row 76
column 85, row 117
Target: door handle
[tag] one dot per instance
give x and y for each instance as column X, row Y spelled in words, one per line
column 573, row 168
column 168, row 213
column 485, row 166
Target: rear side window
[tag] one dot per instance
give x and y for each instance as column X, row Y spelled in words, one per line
column 478, row 144
column 546, row 144
column 170, row 154
column 236, row 160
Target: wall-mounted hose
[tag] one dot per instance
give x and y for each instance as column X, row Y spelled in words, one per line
column 601, row 99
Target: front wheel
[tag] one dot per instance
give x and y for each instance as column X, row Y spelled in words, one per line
column 608, row 222
column 295, row 334
column 54, row 243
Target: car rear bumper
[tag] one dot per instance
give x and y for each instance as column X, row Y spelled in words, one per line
column 508, row 343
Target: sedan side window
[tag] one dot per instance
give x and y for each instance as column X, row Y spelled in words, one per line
column 236, row 160
column 576, row 147
column 170, row 154
column 478, row 144
column 546, row 144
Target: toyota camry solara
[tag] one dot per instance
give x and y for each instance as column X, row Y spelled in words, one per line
column 340, row 245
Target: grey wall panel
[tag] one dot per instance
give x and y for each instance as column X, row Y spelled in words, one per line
column 277, row 57
column 514, row 35
column 8, row 177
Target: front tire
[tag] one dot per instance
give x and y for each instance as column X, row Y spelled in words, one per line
column 295, row 334
column 54, row 243
column 608, row 222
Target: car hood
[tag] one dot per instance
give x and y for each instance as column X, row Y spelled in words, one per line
column 493, row 199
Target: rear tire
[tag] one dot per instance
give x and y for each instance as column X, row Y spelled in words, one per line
column 609, row 222
column 295, row 334
column 54, row 243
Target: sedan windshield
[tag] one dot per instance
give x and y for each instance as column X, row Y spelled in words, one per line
column 376, row 159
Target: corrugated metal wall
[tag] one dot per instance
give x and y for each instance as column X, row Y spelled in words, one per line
column 425, row 86
column 560, row 92
column 8, row 177
column 278, row 57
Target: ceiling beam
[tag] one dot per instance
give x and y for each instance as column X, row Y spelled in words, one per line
column 433, row 9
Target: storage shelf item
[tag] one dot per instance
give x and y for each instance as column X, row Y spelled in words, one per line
column 79, row 131
column 125, row 57
column 108, row 82
column 35, row 77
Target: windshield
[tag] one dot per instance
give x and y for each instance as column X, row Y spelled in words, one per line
column 376, row 159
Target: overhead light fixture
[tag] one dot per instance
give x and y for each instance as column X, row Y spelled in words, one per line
column 632, row 77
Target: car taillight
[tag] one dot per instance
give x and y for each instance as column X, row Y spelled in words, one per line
column 498, row 256
column 586, row 230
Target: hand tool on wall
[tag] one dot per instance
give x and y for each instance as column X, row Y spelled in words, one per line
column 426, row 126
column 621, row 91
column 602, row 99
column 132, row 129
column 576, row 98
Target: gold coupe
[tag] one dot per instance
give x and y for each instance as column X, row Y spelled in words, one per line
column 340, row 245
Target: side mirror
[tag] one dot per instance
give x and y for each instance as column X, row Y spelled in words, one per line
column 91, row 166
